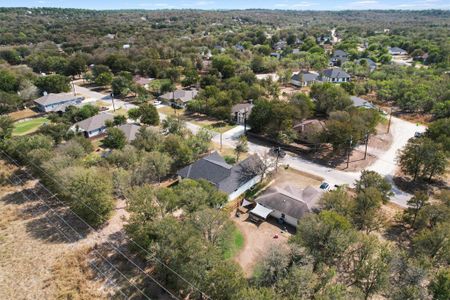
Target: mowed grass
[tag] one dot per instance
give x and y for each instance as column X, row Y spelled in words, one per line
column 29, row 126
column 233, row 243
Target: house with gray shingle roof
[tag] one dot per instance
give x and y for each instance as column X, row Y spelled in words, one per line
column 289, row 202
column 232, row 180
column 130, row 131
column 338, row 58
column 335, row 75
column 304, row 78
column 360, row 102
column 93, row 126
column 181, row 97
column 372, row 65
column 397, row 51
column 57, row 102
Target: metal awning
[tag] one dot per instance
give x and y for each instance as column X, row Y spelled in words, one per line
column 261, row 211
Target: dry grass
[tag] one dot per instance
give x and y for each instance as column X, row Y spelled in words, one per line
column 73, row 278
column 22, row 114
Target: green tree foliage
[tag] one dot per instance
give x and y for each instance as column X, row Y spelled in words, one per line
column 423, row 158
column 241, row 147
column 440, row 286
column 148, row 114
column 6, row 127
column 329, row 97
column 53, row 83
column 148, row 139
column 58, row 131
column 88, row 192
column 375, row 180
column 366, row 212
column 115, row 139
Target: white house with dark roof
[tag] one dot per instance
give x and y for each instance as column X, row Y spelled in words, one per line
column 288, row 203
column 395, row 51
column 57, row 102
column 304, row 78
column 335, row 75
column 93, row 126
column 338, row 58
column 232, row 180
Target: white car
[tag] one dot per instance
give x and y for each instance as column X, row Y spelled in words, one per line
column 157, row 102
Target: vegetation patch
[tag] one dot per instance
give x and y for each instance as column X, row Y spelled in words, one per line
column 233, row 243
column 29, row 126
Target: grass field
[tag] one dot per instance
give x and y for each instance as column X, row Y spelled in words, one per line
column 29, row 126
column 233, row 243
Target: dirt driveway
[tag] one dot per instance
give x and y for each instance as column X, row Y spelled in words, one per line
column 258, row 240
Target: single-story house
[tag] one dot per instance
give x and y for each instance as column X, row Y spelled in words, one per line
column 280, row 45
column 129, row 130
column 181, row 97
column 232, row 180
column 309, row 130
column 288, row 203
column 304, row 78
column 240, row 112
column 360, row 102
column 276, row 55
column 335, row 75
column 372, row 65
column 93, row 126
column 397, row 51
column 57, row 102
column 142, row 81
column 338, row 58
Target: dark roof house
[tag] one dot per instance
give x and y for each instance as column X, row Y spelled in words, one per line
column 397, row 51
column 93, row 126
column 304, row 78
column 130, row 131
column 232, row 180
column 179, row 96
column 360, row 102
column 335, row 75
column 339, row 57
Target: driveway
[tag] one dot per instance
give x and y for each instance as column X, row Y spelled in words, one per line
column 92, row 96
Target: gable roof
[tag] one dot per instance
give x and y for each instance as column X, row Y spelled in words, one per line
column 335, row 73
column 396, row 49
column 95, row 122
column 339, row 53
column 360, row 102
column 291, row 200
column 130, row 131
column 56, row 98
column 305, row 76
column 183, row 95
column 214, row 169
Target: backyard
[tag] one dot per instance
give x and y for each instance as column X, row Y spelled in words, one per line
column 28, row 126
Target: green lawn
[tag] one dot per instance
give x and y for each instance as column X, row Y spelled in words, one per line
column 26, row 127
column 233, row 243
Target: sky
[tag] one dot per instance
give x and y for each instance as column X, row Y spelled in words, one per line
column 233, row 4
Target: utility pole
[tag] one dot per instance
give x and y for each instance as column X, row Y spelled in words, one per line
column 277, row 150
column 73, row 88
column 245, row 122
column 221, row 141
column 367, row 142
column 112, row 98
column 389, row 123
column 349, row 150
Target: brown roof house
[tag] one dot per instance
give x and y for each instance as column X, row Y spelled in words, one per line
column 309, row 130
column 289, row 203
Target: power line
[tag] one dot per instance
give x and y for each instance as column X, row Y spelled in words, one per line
column 95, row 212
column 71, row 241
column 94, row 230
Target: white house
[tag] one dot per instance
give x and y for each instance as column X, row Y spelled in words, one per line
column 93, row 126
column 335, row 75
column 395, row 51
column 304, row 78
column 57, row 102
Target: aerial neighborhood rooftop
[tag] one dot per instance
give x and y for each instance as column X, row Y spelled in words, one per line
column 207, row 153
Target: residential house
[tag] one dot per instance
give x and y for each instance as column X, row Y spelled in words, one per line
column 57, row 102
column 232, row 180
column 338, row 58
column 395, row 51
column 240, row 112
column 180, row 97
column 280, row 45
column 93, row 126
column 363, row 103
column 276, row 55
column 372, row 65
column 335, row 75
column 142, row 81
column 309, row 130
column 288, row 203
column 130, row 131
column 304, row 78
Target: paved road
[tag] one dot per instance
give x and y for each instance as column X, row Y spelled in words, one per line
column 92, row 96
column 385, row 165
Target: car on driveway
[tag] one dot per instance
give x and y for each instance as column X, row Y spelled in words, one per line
column 325, row 186
column 157, row 102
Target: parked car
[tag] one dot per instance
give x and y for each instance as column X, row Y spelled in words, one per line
column 157, row 102
column 325, row 186
column 418, row 134
column 176, row 105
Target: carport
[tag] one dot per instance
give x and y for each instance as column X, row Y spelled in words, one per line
column 259, row 213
